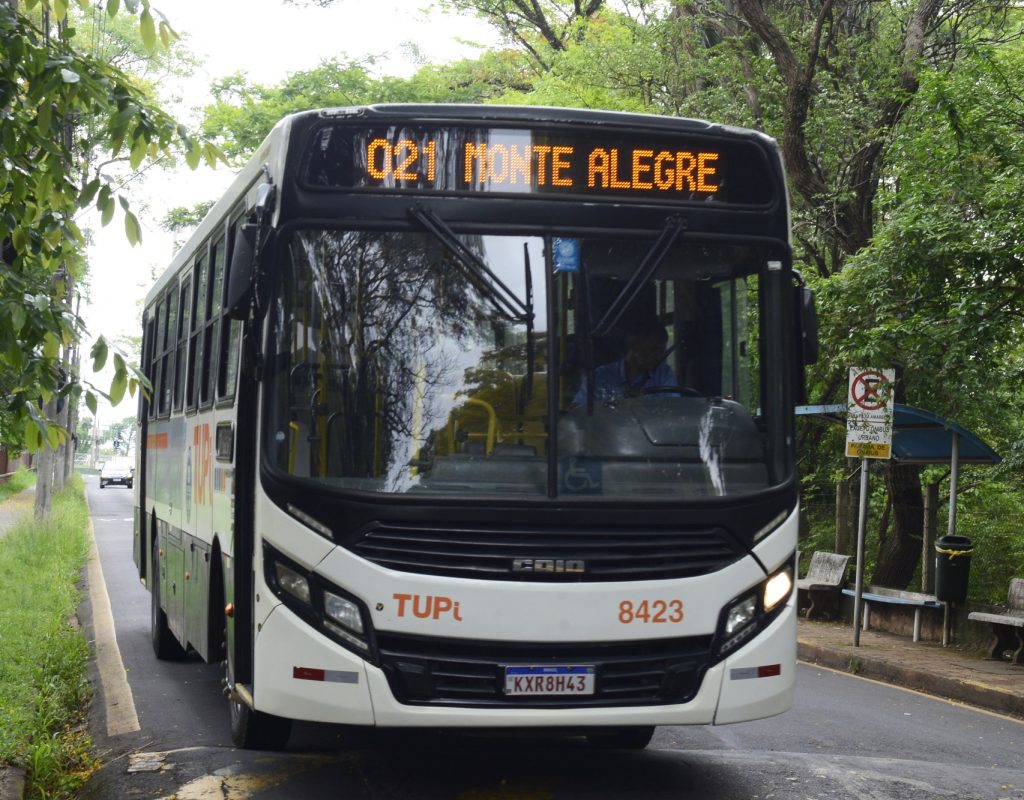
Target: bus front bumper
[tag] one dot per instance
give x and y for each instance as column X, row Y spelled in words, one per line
column 302, row 675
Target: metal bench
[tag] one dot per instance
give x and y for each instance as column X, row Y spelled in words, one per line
column 881, row 594
column 1007, row 627
column 824, row 579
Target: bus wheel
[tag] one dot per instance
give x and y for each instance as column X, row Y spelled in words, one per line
column 165, row 646
column 250, row 729
column 623, row 738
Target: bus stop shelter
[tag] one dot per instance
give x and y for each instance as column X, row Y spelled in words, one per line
column 921, row 437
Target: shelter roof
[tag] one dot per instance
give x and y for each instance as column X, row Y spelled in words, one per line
column 919, row 436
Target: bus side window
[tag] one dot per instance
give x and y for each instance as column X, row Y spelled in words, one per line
column 167, row 353
column 158, row 347
column 148, row 349
column 230, row 335
column 211, row 337
column 195, row 335
column 184, row 321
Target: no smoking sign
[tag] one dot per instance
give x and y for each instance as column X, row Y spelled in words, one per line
column 869, row 413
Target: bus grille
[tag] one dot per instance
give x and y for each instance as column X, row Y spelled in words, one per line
column 523, row 554
column 455, row 672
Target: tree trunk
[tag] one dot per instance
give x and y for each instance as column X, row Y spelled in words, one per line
column 931, row 518
column 846, row 516
column 44, row 469
column 899, row 552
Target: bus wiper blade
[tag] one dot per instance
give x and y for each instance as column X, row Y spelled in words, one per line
column 479, row 274
column 671, row 231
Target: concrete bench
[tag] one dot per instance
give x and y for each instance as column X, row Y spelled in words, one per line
column 824, row 579
column 897, row 597
column 1008, row 627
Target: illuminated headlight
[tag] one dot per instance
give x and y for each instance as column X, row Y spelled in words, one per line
column 751, row 612
column 777, row 588
column 292, row 582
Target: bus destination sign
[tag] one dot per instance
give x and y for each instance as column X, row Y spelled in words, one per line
column 517, row 161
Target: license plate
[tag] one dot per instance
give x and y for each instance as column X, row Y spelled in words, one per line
column 548, row 680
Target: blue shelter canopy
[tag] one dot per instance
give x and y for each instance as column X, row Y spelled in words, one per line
column 920, row 437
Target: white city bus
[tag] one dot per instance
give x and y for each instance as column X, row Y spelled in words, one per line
column 401, row 466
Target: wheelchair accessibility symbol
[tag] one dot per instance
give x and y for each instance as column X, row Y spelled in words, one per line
column 580, row 476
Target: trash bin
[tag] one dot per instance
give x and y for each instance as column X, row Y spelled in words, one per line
column 952, row 568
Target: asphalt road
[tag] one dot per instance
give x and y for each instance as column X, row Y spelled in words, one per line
column 844, row 738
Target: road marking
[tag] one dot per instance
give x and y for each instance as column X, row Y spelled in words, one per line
column 117, row 694
column 946, row 700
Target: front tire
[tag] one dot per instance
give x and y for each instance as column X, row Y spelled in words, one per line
column 251, row 729
column 623, row 739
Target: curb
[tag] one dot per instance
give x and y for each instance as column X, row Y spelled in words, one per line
column 12, row 783
column 971, row 693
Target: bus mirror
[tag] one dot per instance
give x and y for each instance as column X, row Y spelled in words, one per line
column 808, row 325
column 247, row 265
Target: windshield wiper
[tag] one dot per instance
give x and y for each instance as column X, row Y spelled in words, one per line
column 504, row 300
column 671, row 231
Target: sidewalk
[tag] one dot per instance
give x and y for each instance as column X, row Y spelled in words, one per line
column 924, row 666
column 12, row 779
column 16, row 506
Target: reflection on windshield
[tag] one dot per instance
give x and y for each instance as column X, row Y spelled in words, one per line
column 394, row 370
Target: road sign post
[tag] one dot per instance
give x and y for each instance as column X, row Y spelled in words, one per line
column 869, row 405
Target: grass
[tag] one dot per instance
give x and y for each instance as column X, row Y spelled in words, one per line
column 20, row 480
column 44, row 689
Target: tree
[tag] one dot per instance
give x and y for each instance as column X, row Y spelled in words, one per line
column 46, row 84
column 835, row 81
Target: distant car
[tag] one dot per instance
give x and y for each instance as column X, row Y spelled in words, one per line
column 117, row 470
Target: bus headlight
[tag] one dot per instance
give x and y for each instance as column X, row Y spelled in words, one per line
column 343, row 618
column 343, row 611
column 320, row 603
column 292, row 582
column 777, row 588
column 740, row 614
column 751, row 612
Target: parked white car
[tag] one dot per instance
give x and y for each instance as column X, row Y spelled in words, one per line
column 117, row 470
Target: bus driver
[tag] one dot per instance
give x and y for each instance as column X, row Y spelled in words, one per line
column 642, row 367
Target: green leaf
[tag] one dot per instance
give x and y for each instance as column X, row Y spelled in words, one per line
column 60, row 9
column 90, row 402
column 19, row 238
column 117, row 388
column 132, row 229
column 69, row 76
column 88, row 192
column 113, row 6
column 193, row 155
column 167, row 33
column 51, row 346
column 18, row 318
column 53, row 436
column 45, row 118
column 107, row 213
column 148, row 30
column 33, row 440
column 138, row 152
column 99, row 354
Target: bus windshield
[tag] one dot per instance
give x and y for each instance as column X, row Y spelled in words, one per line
column 416, row 362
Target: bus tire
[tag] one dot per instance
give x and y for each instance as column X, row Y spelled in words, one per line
column 623, row 738
column 251, row 729
column 165, row 646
